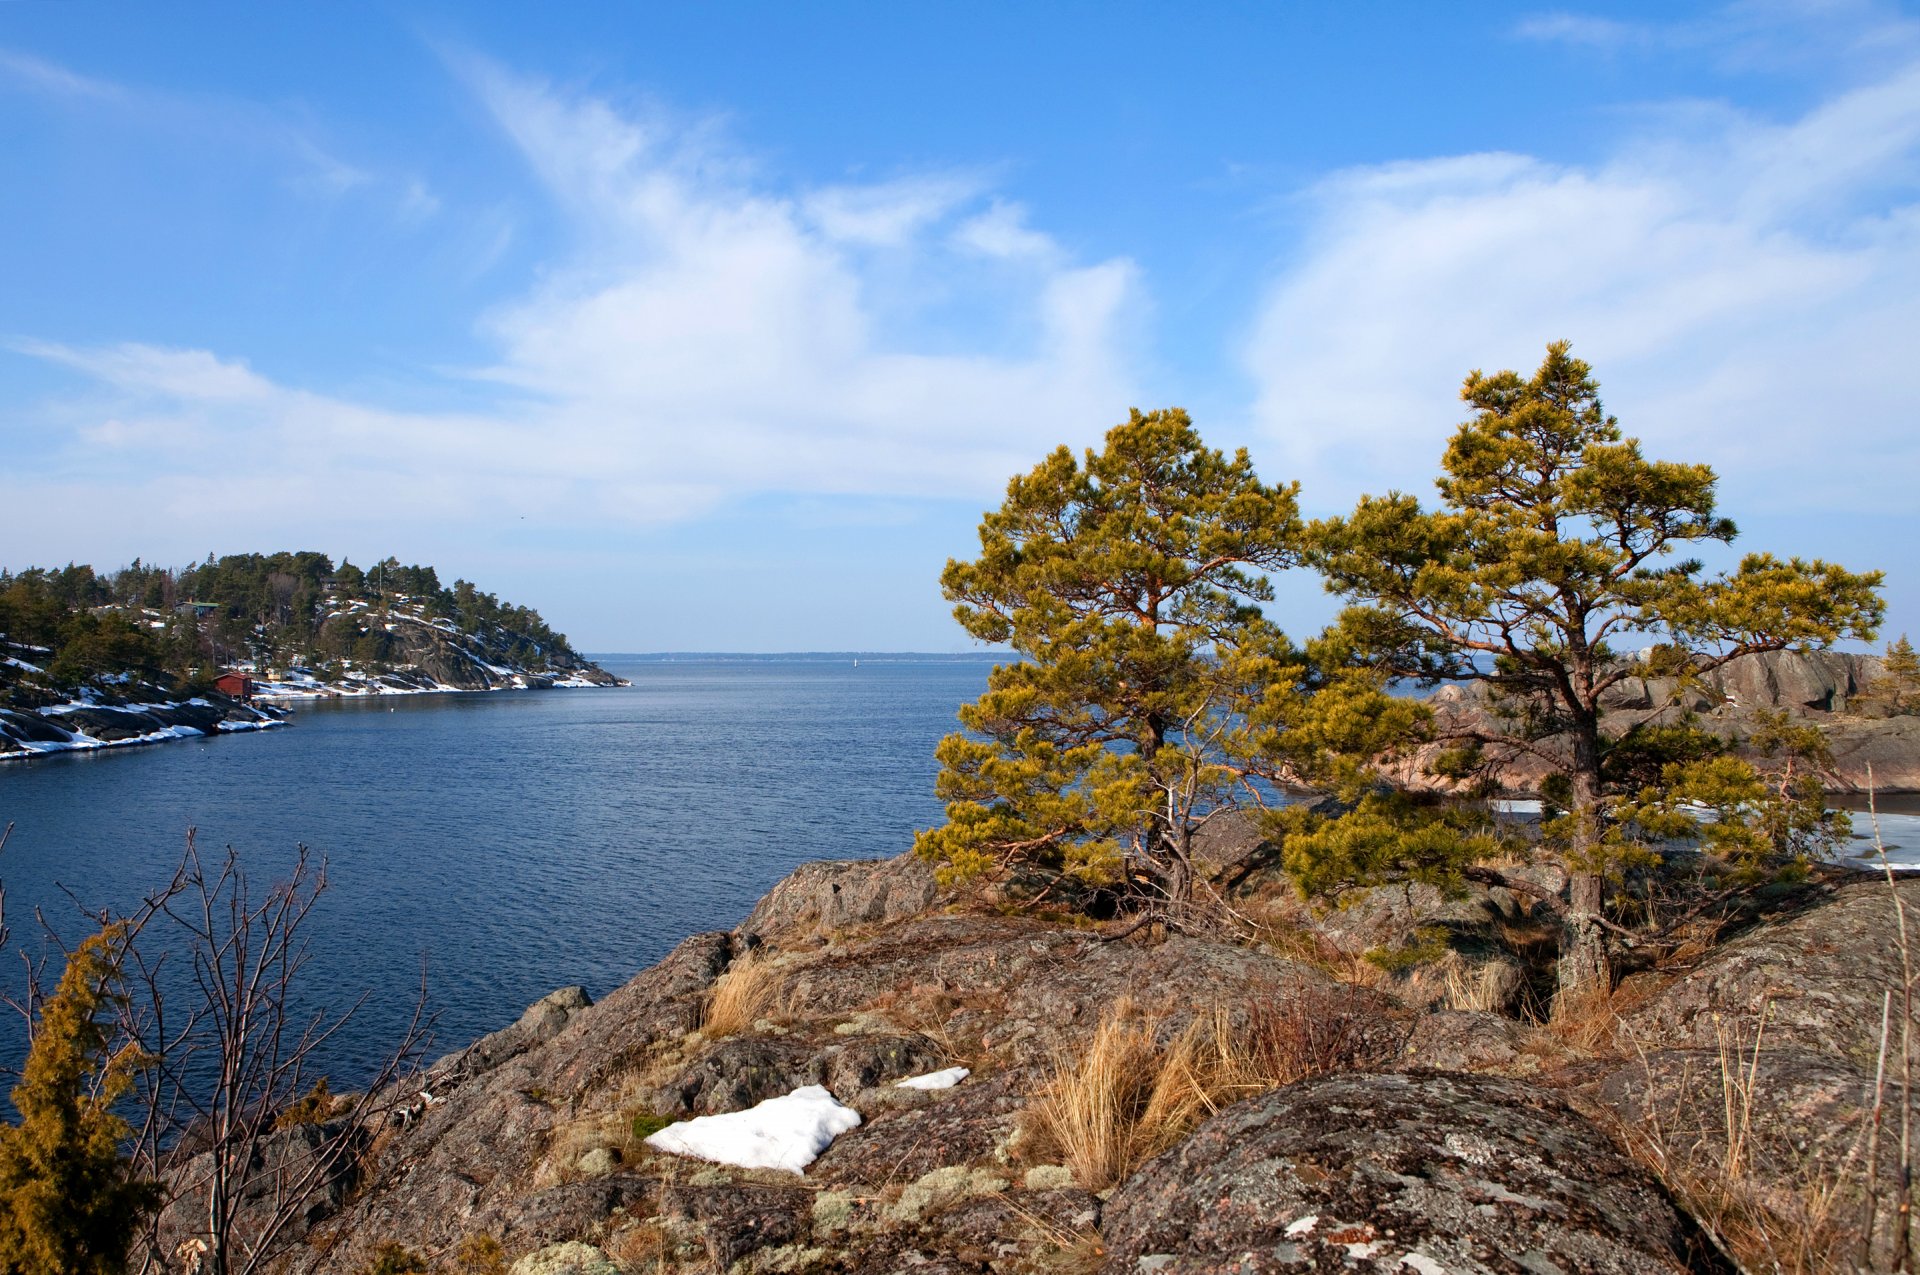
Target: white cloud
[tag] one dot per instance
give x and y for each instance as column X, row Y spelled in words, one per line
column 43, row 76
column 1002, row 232
column 1747, row 294
column 1580, row 29
column 710, row 336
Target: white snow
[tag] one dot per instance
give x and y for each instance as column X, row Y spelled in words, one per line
column 1304, row 1225
column 780, row 1133
column 946, row 1079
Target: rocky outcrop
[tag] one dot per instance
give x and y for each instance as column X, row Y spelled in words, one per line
column 1827, row 689
column 1755, row 1070
column 1464, row 1142
column 819, row 898
column 1785, row 1133
column 124, row 715
column 1816, row 980
column 1396, row 1172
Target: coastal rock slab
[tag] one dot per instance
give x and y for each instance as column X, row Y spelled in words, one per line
column 833, row 894
column 1381, row 1172
column 1818, row 980
column 1787, row 1130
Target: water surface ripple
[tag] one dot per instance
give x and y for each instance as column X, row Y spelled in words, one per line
column 520, row 841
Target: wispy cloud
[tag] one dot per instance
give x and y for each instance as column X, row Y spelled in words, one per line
column 1743, row 289
column 712, row 336
column 1581, row 29
column 39, row 75
column 309, row 166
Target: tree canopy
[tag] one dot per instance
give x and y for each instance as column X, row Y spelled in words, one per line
column 1151, row 693
column 1555, row 545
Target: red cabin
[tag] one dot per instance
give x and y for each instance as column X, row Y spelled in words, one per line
column 238, row 685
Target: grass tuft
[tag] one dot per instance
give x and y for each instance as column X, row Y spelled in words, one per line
column 1137, row 1089
column 741, row 996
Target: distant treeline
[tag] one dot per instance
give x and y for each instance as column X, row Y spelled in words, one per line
column 280, row 608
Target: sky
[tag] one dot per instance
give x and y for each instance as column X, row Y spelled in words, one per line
column 717, row 327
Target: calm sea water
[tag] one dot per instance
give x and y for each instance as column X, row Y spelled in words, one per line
column 518, row 841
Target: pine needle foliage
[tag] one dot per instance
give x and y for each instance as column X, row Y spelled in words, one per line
column 69, row 1203
column 1151, row 692
column 1556, row 539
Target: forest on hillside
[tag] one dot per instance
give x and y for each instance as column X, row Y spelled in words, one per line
column 270, row 610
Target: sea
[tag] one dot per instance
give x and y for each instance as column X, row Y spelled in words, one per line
column 506, row 843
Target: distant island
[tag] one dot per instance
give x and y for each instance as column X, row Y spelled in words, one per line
column 92, row 660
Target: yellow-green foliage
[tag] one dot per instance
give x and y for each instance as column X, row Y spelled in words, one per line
column 1151, row 690
column 69, row 1204
column 393, row 1258
column 314, row 1108
column 1555, row 537
column 1897, row 689
column 480, row 1255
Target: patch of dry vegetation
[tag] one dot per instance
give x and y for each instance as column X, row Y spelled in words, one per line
column 1139, row 1088
column 744, row 994
column 1770, row 1206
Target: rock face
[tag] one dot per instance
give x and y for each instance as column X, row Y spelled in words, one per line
column 1397, row 1172
column 535, row 1134
column 1465, row 1142
column 1789, row 1128
column 1818, row 980
column 818, row 898
column 1758, row 1065
column 1823, row 688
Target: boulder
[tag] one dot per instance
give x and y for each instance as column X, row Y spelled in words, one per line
column 540, row 1023
column 1397, row 1172
column 829, row 895
column 1817, row 979
column 1466, row 1040
column 1875, row 756
column 1785, row 1131
column 1798, row 681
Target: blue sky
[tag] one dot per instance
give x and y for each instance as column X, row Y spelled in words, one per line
column 717, row 326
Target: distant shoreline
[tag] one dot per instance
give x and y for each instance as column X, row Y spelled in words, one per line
column 800, row 657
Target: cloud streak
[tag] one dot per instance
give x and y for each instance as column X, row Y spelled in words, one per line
column 710, row 336
column 1747, row 293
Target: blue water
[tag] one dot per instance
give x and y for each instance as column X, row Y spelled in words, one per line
column 520, row 841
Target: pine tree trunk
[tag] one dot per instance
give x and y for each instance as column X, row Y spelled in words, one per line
column 1584, row 971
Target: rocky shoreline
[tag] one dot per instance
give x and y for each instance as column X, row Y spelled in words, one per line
column 102, row 719
column 1436, row 1124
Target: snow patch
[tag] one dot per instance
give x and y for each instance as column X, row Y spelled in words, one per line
column 946, row 1079
column 781, row 1133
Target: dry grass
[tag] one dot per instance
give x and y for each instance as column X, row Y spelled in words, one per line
column 1770, row 1205
column 952, row 1020
column 1137, row 1089
column 743, row 995
column 1589, row 1023
column 640, row 1248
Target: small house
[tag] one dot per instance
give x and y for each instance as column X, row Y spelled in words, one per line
column 238, row 685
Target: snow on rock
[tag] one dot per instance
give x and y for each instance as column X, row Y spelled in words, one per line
column 946, row 1079
column 781, row 1133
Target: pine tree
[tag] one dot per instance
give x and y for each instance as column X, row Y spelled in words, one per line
column 69, row 1204
column 1152, row 694
column 1898, row 686
column 1555, row 540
